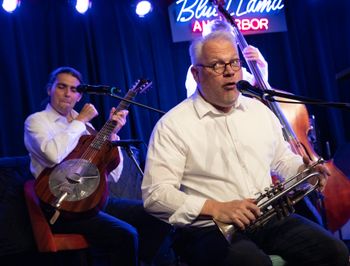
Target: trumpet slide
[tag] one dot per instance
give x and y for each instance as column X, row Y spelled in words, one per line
column 278, row 200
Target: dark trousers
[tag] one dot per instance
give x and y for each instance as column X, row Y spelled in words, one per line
column 296, row 239
column 121, row 234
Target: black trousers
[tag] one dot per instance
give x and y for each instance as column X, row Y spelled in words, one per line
column 296, row 239
column 122, row 234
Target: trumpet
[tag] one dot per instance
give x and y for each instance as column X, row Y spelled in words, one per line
column 278, row 200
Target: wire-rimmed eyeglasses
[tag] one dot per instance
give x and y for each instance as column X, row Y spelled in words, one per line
column 220, row 67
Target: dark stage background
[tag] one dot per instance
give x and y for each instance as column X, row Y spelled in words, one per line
column 111, row 46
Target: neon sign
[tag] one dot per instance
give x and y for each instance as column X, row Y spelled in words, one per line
column 188, row 17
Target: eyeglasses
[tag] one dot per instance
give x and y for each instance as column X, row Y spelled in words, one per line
column 220, row 67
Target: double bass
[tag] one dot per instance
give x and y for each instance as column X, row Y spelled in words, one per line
column 294, row 119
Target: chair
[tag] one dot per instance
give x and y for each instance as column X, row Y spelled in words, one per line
column 277, row 260
column 47, row 241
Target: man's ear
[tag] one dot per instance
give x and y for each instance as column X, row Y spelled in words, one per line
column 195, row 73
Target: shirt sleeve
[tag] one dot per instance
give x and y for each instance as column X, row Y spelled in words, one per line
column 286, row 162
column 247, row 76
column 250, row 77
column 49, row 145
column 190, row 83
column 164, row 170
column 114, row 176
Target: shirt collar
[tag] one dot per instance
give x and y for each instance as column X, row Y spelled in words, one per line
column 203, row 108
column 55, row 116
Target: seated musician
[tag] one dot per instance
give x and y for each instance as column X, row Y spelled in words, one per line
column 306, row 207
column 208, row 160
column 250, row 53
column 50, row 136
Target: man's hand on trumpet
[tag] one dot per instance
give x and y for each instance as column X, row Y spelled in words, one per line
column 241, row 213
column 321, row 168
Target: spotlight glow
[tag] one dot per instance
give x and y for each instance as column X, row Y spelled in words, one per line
column 10, row 5
column 143, row 8
column 82, row 6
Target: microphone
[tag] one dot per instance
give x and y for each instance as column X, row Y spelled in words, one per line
column 247, row 89
column 268, row 95
column 97, row 89
column 127, row 142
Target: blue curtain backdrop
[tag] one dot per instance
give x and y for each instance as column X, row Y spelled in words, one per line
column 111, row 46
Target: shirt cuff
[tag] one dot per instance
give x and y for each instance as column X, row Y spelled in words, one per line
column 188, row 211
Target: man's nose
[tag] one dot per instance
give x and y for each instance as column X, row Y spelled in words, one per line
column 68, row 91
column 229, row 70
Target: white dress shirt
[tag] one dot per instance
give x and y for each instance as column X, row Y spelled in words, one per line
column 50, row 138
column 197, row 153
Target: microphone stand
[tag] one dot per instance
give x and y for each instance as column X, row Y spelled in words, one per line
column 127, row 147
column 132, row 157
column 270, row 94
column 136, row 103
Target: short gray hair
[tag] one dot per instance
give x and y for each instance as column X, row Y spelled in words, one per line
column 197, row 45
column 215, row 25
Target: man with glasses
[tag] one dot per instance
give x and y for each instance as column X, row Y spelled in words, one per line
column 250, row 53
column 208, row 160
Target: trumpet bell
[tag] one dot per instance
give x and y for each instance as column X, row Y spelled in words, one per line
column 227, row 230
